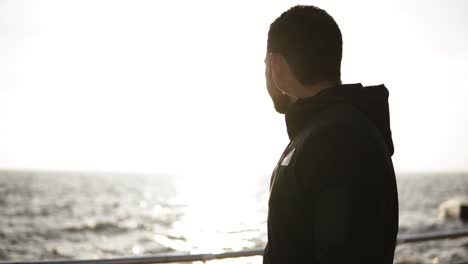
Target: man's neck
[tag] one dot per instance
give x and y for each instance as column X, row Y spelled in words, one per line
column 311, row 90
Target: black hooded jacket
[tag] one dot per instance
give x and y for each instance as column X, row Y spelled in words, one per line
column 333, row 195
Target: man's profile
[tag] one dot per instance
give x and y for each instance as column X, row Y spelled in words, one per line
column 333, row 195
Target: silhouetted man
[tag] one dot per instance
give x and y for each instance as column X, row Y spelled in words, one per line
column 333, row 196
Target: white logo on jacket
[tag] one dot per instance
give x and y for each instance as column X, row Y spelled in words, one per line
column 287, row 158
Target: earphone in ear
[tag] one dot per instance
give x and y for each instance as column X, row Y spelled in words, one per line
column 276, row 84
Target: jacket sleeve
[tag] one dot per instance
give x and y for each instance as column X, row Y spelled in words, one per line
column 341, row 186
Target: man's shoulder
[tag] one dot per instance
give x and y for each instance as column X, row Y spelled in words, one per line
column 341, row 121
column 340, row 140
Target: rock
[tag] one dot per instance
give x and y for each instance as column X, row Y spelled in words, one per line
column 455, row 208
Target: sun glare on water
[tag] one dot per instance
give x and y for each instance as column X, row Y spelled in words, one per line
column 220, row 215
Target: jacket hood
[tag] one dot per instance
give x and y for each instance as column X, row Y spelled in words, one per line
column 372, row 101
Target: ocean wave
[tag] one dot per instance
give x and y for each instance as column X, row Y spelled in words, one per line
column 89, row 217
column 98, row 227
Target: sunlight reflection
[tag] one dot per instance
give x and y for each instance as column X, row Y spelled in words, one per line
column 223, row 218
column 246, row 260
column 137, row 250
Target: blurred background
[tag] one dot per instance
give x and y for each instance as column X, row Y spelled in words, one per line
column 145, row 127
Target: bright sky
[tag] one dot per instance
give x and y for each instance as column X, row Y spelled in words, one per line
column 178, row 86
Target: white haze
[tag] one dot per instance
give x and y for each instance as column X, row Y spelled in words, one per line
column 178, row 87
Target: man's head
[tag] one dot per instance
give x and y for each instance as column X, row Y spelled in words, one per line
column 304, row 53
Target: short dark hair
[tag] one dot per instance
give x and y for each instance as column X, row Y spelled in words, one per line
column 310, row 41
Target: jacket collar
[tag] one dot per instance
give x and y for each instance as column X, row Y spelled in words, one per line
column 302, row 111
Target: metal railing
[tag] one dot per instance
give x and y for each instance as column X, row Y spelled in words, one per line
column 173, row 258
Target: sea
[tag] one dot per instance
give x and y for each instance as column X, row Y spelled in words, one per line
column 82, row 215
